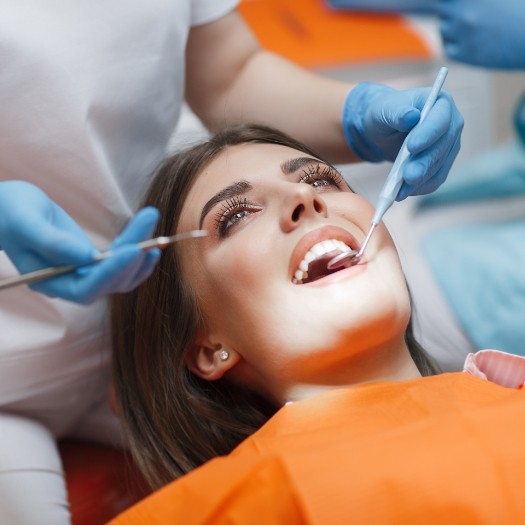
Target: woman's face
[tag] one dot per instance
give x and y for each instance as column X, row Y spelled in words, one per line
column 284, row 319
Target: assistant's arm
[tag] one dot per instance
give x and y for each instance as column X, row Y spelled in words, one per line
column 230, row 79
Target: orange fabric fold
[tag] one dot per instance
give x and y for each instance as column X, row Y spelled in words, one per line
column 445, row 449
column 313, row 35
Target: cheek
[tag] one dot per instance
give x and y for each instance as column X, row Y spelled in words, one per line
column 352, row 207
column 235, row 282
column 241, row 267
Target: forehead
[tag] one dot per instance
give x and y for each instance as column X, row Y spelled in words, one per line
column 246, row 162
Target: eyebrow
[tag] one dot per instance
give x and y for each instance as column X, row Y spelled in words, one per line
column 292, row 165
column 233, row 190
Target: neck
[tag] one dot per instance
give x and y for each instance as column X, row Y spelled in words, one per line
column 392, row 363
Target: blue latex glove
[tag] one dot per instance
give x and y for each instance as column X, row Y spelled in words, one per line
column 486, row 33
column 377, row 118
column 36, row 233
column 384, row 6
column 494, row 174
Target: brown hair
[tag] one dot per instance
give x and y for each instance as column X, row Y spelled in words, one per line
column 175, row 421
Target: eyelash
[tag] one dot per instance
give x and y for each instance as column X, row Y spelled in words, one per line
column 312, row 174
column 321, row 172
column 227, row 211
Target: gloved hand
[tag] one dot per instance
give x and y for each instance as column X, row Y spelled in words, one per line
column 484, row 32
column 377, row 118
column 384, row 6
column 35, row 233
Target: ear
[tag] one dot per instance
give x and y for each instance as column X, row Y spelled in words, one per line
column 209, row 361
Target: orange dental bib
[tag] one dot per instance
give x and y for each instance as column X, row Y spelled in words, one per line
column 444, row 449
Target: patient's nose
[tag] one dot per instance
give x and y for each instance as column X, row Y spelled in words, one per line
column 301, row 203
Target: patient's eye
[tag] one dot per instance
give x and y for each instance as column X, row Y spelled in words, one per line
column 232, row 212
column 322, row 177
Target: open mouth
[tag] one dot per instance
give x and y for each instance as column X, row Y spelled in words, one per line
column 313, row 266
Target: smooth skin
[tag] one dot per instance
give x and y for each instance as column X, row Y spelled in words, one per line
column 230, row 79
column 242, row 275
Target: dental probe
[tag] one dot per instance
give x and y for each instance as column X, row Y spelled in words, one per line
column 47, row 273
column 393, row 182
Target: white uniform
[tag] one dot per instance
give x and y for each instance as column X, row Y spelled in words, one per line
column 90, row 92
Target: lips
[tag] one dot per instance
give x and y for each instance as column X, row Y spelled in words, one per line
column 312, row 253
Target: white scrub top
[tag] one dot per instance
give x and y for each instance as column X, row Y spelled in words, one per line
column 90, row 92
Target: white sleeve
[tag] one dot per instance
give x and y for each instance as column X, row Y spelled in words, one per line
column 204, row 11
column 32, row 484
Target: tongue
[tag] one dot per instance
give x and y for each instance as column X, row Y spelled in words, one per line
column 317, row 268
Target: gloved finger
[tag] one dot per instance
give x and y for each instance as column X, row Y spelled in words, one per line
column 436, row 124
column 68, row 251
column 431, row 184
column 38, row 209
column 135, row 272
column 53, row 246
column 121, row 272
column 125, row 269
column 441, row 175
column 93, row 281
column 48, row 238
column 422, row 167
column 404, row 191
column 395, row 117
column 139, row 228
column 422, row 189
column 138, row 273
column 150, row 263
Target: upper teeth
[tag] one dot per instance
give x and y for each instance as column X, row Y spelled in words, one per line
column 316, row 251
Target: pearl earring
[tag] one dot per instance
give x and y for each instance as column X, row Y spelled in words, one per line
column 224, row 355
